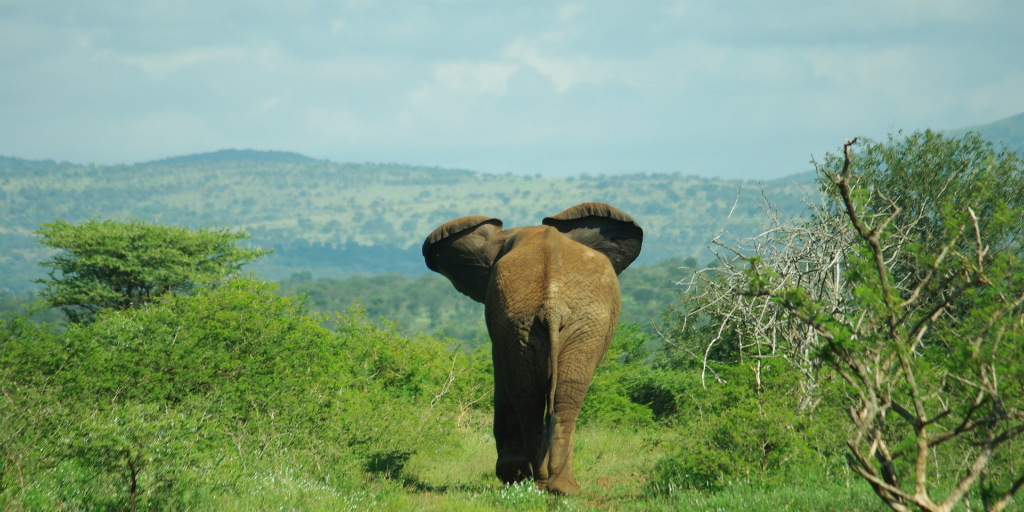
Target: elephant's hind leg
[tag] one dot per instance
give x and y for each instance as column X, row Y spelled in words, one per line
column 576, row 366
column 520, row 375
column 513, row 464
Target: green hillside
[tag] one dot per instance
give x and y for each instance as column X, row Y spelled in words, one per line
column 339, row 220
column 1008, row 132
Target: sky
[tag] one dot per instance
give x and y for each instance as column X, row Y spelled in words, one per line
column 734, row 90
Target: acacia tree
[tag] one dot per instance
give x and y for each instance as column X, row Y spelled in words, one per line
column 906, row 279
column 124, row 264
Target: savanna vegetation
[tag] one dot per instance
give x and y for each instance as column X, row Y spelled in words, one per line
column 790, row 376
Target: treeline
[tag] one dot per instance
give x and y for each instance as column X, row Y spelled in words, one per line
column 238, row 398
column 430, row 304
column 25, row 304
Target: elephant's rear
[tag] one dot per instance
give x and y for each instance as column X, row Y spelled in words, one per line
column 552, row 303
column 549, row 278
column 552, row 308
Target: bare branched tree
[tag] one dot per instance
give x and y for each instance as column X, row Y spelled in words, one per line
column 915, row 300
column 808, row 251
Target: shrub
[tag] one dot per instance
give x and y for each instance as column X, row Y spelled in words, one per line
column 747, row 427
column 147, row 407
column 608, row 400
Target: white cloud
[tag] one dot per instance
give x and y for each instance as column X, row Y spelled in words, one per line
column 919, row 83
column 566, row 12
column 676, row 10
column 564, row 72
column 162, row 65
column 339, row 126
column 475, row 77
column 992, row 98
column 646, row 85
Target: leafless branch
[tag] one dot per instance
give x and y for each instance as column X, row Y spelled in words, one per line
column 802, row 306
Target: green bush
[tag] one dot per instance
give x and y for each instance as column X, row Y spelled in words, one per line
column 151, row 407
column 631, row 388
column 608, row 399
column 701, row 468
column 741, row 430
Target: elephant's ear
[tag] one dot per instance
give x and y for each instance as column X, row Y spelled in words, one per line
column 463, row 250
column 602, row 228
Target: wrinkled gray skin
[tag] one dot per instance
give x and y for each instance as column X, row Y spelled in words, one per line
column 551, row 299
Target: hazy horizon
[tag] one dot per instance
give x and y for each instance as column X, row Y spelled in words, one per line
column 740, row 90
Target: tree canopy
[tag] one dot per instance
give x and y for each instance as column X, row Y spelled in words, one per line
column 124, row 264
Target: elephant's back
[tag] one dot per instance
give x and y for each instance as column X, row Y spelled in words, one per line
column 546, row 269
column 548, row 283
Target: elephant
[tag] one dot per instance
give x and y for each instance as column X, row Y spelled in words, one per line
column 551, row 301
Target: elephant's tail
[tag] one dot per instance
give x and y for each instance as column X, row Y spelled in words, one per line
column 554, row 325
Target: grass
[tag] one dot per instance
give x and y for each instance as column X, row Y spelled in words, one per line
column 612, row 467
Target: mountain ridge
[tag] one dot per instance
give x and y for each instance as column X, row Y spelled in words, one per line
column 1008, row 131
column 235, row 155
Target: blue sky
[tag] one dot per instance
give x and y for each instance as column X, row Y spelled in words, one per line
column 725, row 89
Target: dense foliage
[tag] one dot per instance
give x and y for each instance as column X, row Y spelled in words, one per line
column 115, row 264
column 189, row 400
column 933, row 330
column 147, row 407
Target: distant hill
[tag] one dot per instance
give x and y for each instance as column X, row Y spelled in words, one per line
column 339, row 220
column 1008, row 132
column 237, row 155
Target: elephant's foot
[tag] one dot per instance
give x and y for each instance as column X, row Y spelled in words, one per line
column 513, row 471
column 541, row 483
column 563, row 486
